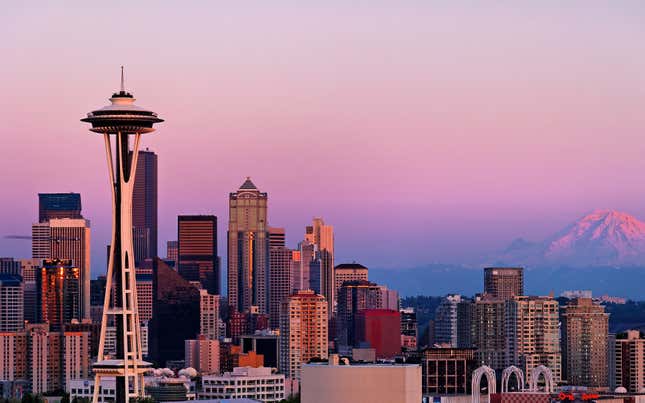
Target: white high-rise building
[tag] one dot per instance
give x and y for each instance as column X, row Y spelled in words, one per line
column 445, row 323
column 11, row 303
column 208, row 315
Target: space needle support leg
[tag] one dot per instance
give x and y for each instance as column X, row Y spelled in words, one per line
column 108, row 285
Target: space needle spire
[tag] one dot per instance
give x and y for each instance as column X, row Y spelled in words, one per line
column 120, row 121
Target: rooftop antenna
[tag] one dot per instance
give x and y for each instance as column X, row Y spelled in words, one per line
column 122, row 81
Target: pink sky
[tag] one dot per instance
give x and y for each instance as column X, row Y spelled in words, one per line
column 424, row 132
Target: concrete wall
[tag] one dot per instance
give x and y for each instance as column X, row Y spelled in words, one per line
column 322, row 383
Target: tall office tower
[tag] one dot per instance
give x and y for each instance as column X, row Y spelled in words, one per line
column 197, row 253
column 58, row 296
column 203, row 355
column 58, row 205
column 144, row 296
column 504, row 282
column 176, row 313
column 296, row 276
column 66, row 238
column 465, row 311
column 172, row 250
column 13, row 350
column 208, row 315
column 354, row 296
column 533, row 334
column 409, row 329
column 29, row 268
column 11, row 303
column 489, row 331
column 303, row 331
column 280, row 264
column 348, row 272
column 307, row 255
column 41, row 240
column 248, row 249
column 380, row 329
column 122, row 119
column 144, row 207
column 630, row 361
column 322, row 236
column 585, row 327
column 76, row 359
column 445, row 321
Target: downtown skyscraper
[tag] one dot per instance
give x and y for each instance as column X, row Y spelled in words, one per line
column 66, row 238
column 248, row 250
column 322, row 237
column 197, row 251
column 144, row 207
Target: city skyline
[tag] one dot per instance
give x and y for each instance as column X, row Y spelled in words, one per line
column 366, row 202
column 520, row 146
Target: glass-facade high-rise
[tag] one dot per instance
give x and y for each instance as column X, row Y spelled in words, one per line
column 248, row 250
column 144, row 207
column 58, row 205
column 197, row 251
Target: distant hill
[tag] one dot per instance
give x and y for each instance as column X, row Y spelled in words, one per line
column 450, row 279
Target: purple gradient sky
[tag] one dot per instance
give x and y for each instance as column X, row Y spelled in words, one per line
column 423, row 131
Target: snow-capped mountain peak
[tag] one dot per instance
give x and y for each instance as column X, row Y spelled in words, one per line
column 602, row 237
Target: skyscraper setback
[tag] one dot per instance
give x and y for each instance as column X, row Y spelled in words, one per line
column 197, row 252
column 248, row 249
column 144, row 207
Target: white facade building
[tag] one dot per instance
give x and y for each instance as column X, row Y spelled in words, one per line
column 208, row 315
column 244, row 382
column 323, row 383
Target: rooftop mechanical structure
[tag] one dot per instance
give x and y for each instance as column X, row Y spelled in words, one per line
column 124, row 121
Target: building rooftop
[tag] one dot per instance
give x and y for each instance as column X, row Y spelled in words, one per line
column 351, row 266
column 10, row 280
column 248, row 184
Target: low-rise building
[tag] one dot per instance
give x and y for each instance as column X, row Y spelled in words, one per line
column 244, row 382
column 331, row 382
column 447, row 371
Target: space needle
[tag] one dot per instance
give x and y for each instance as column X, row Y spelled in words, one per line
column 126, row 122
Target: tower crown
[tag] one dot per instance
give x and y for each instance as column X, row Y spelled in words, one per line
column 122, row 116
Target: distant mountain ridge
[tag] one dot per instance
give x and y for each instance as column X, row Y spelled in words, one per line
column 600, row 238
